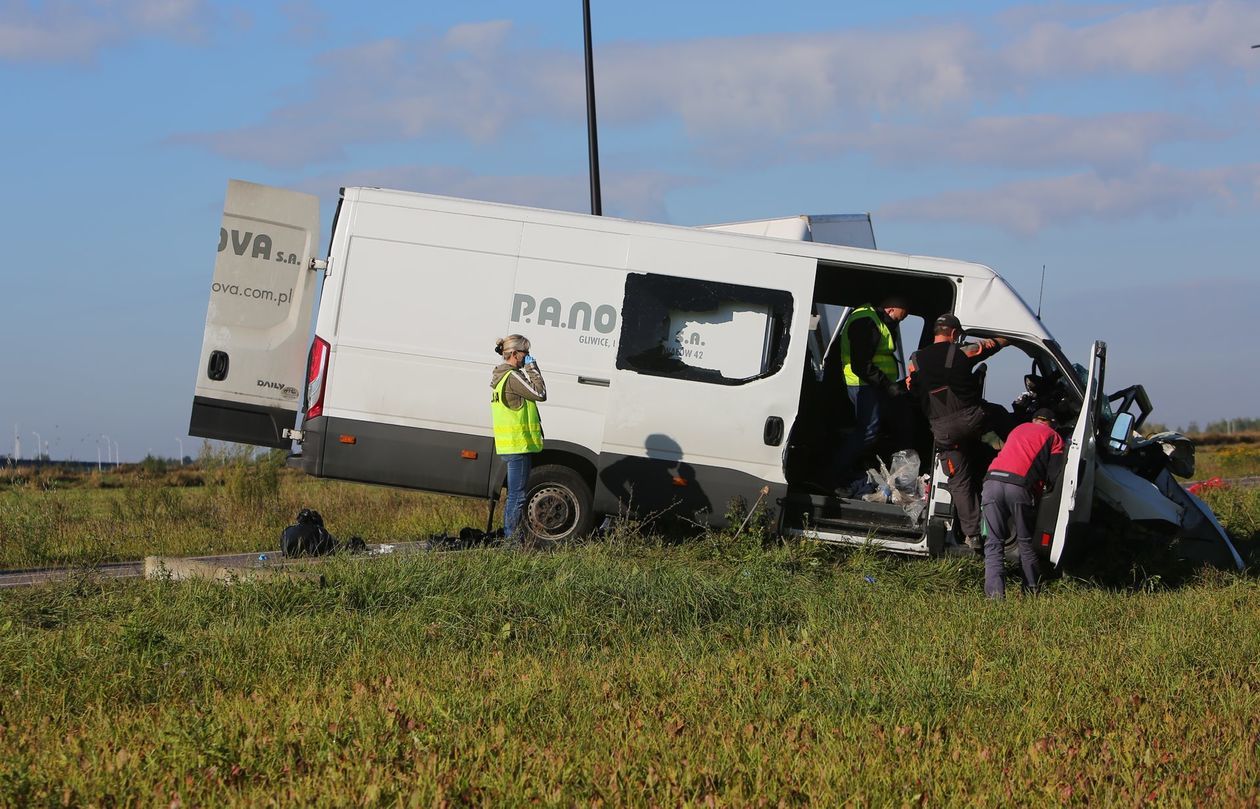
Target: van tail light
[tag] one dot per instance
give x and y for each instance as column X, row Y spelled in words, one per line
column 316, row 377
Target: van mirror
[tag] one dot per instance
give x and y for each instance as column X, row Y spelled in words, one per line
column 1121, row 429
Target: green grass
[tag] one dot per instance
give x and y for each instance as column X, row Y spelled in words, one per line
column 626, row 670
column 1227, row 461
column 629, row 673
column 77, row 523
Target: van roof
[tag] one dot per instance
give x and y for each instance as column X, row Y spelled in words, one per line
column 860, row 255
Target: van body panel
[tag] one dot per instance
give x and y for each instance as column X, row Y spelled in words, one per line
column 416, row 458
column 1134, row 496
column 251, row 372
column 660, row 485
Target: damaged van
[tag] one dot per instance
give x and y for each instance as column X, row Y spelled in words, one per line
column 687, row 368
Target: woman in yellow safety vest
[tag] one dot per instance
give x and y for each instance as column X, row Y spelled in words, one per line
column 517, row 385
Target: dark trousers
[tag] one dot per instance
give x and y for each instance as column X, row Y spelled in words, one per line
column 957, row 439
column 1008, row 508
column 874, row 411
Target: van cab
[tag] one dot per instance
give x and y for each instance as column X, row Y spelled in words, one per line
column 687, row 368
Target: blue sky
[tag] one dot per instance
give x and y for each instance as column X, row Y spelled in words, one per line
column 1115, row 143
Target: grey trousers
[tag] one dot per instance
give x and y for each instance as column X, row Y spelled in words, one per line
column 1007, row 508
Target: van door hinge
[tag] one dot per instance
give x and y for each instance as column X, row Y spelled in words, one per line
column 318, row 264
column 292, row 434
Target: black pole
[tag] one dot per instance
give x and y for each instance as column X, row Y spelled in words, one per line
column 592, row 139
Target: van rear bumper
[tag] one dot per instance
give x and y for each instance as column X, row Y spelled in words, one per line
column 242, row 423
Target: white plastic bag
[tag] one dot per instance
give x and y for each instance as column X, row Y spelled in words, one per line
column 905, row 472
column 901, row 484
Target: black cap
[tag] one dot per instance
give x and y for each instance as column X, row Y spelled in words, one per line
column 1045, row 413
column 947, row 321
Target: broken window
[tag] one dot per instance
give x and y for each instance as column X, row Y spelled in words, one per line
column 706, row 331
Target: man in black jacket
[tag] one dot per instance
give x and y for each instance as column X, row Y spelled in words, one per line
column 942, row 377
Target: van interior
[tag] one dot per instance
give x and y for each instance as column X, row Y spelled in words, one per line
column 826, row 415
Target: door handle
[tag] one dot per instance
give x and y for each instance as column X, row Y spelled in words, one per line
column 217, row 367
column 591, row 380
column 773, row 434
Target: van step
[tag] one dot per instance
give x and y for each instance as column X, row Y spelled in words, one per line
column 837, row 514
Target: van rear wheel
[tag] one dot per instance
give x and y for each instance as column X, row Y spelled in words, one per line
column 558, row 504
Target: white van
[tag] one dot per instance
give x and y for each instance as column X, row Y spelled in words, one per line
column 686, row 367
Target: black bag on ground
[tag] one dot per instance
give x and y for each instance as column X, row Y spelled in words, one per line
column 308, row 537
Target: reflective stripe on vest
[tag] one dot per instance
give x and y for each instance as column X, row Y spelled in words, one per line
column 885, row 353
column 515, row 431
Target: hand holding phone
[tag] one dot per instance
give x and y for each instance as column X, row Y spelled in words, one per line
column 529, row 359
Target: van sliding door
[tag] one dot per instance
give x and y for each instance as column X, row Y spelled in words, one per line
column 707, row 384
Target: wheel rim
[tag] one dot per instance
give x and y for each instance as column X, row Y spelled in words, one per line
column 553, row 511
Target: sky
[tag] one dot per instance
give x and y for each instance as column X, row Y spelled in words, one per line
column 1115, row 144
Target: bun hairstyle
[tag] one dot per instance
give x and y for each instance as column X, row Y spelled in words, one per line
column 513, row 342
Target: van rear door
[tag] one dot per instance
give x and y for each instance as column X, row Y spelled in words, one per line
column 258, row 323
column 1076, row 484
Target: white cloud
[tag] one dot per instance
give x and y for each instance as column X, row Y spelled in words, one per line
column 634, row 196
column 67, row 31
column 475, row 82
column 782, row 83
column 1161, row 40
column 1106, row 143
column 482, row 80
column 1031, row 205
column 907, row 96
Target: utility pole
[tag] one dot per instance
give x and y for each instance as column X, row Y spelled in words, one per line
column 597, row 207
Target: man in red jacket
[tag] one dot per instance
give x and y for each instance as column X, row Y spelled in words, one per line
column 1028, row 464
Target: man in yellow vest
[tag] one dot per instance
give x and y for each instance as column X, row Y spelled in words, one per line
column 875, row 378
column 518, row 385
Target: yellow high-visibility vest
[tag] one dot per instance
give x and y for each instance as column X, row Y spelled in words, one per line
column 515, row 431
column 885, row 353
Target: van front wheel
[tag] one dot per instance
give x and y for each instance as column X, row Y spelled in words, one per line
column 558, row 504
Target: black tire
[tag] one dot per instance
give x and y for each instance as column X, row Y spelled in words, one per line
column 558, row 504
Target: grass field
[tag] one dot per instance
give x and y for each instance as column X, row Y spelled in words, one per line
column 1228, row 461
column 85, row 520
column 630, row 673
column 627, row 670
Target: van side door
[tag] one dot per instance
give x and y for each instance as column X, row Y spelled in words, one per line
column 707, row 380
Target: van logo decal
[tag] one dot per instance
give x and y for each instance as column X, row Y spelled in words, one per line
column 579, row 316
column 266, row 383
column 257, row 245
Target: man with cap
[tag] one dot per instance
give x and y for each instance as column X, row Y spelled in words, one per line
column 1028, row 465
column 942, row 378
column 869, row 348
